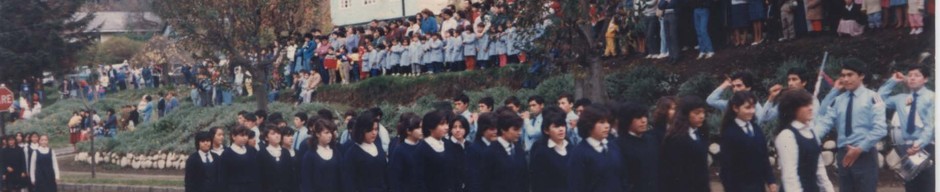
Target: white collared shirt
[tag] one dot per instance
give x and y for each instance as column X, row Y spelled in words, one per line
column 275, row 152
column 409, row 142
column 597, row 145
column 205, row 157
column 745, row 126
column 486, row 142
column 370, row 149
column 218, row 151
column 461, row 143
column 325, row 152
column 506, row 145
column 692, row 133
column 436, row 144
column 238, row 149
column 291, row 151
column 560, row 148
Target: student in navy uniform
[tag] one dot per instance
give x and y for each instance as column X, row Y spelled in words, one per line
column 218, row 137
column 798, row 146
column 14, row 163
column 662, row 116
column 202, row 171
column 858, row 117
column 595, row 164
column 401, row 163
column 435, row 168
column 485, row 137
column 240, row 168
column 43, row 167
column 458, row 139
column 549, row 166
column 915, row 115
column 293, row 174
column 745, row 166
column 504, row 164
column 275, row 162
column 640, row 149
column 683, row 155
column 364, row 166
column 320, row 168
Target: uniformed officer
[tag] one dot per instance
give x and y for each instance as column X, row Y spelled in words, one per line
column 858, row 116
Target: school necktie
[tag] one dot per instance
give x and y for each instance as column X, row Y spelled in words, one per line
column 604, row 150
column 509, row 150
column 911, row 115
column 848, row 115
column 750, row 131
column 205, row 160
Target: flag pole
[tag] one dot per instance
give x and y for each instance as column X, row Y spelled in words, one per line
column 820, row 75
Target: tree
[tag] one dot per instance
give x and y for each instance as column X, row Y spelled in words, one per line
column 41, row 35
column 565, row 28
column 237, row 29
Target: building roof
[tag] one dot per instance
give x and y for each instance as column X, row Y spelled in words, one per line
column 120, row 21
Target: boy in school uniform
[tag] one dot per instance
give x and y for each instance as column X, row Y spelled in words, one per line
column 858, row 116
column 915, row 113
column 739, row 81
column 202, row 171
column 533, row 121
column 504, row 163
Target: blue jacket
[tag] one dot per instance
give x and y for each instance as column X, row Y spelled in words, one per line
column 502, row 172
column 595, row 171
column 744, row 159
column 429, row 25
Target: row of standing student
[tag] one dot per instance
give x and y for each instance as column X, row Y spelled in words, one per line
column 29, row 165
column 463, row 48
column 618, row 153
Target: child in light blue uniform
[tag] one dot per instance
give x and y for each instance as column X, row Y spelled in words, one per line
column 436, row 47
column 367, row 60
column 469, row 48
column 394, row 57
column 497, row 46
column 483, row 43
column 378, row 60
column 416, row 53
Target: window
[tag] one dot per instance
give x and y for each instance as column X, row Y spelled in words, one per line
column 370, row 2
column 345, row 3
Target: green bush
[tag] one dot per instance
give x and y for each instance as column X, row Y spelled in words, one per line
column 554, row 86
column 700, row 85
column 643, row 84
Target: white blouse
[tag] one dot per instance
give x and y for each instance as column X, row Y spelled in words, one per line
column 559, row 147
column 325, row 152
column 275, row 152
column 788, row 158
column 436, row 144
column 32, row 163
column 370, row 149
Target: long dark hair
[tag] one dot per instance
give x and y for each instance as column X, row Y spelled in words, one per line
column 680, row 124
column 737, row 100
column 790, row 101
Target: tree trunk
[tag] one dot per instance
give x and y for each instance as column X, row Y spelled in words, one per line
column 259, row 79
column 591, row 83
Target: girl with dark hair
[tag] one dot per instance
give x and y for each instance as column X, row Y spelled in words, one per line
column 595, row 164
column 550, row 155
column 320, row 169
column 486, row 135
column 683, row 156
column 14, row 163
column 744, row 155
column 218, row 136
column 640, row 149
column 364, row 165
column 275, row 161
column 435, row 162
column 240, row 170
column 457, row 139
column 401, row 161
column 801, row 166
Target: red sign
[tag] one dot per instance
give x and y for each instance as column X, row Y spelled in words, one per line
column 6, row 99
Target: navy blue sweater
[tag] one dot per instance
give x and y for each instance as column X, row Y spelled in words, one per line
column 318, row 174
column 241, row 172
column 435, row 171
column 641, row 161
column 683, row 164
column 401, row 168
column 474, row 165
column 361, row 172
column 549, row 169
column 202, row 177
column 459, row 155
column 502, row 172
column 275, row 172
column 592, row 171
column 744, row 162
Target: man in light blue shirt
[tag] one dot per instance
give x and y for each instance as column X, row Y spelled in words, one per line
column 300, row 121
column 858, row 116
column 462, row 108
column 533, row 122
column 566, row 103
column 915, row 114
column 797, row 78
column 739, row 81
